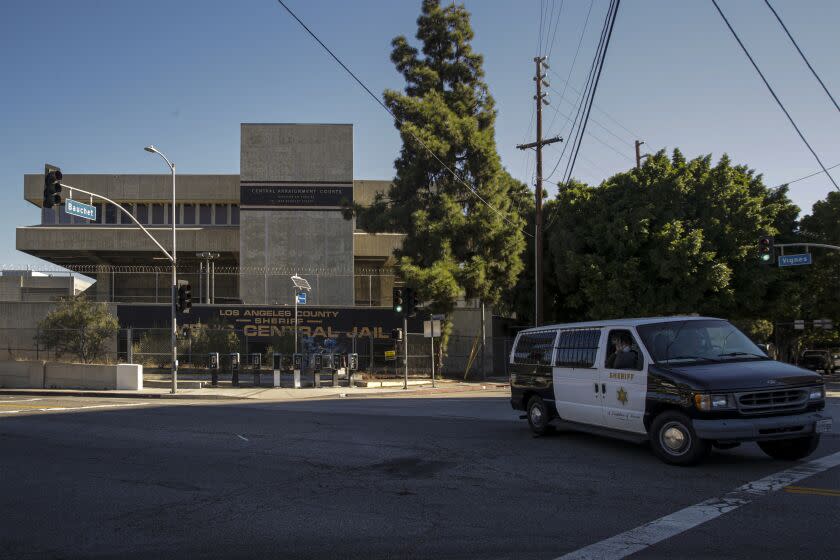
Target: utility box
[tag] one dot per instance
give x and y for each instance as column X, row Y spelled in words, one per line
column 353, row 362
column 213, row 360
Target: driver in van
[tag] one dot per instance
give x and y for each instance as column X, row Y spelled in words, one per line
column 623, row 355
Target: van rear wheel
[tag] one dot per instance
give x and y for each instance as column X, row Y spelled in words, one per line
column 791, row 449
column 538, row 416
column 674, row 440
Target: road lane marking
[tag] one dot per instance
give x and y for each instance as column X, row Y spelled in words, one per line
column 242, row 437
column 20, row 400
column 640, row 538
column 814, row 491
column 65, row 408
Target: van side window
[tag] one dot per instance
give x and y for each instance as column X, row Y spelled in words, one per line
column 623, row 351
column 577, row 348
column 534, row 348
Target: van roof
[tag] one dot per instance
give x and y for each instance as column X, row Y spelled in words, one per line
column 623, row 322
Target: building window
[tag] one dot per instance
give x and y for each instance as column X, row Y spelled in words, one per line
column 125, row 219
column 234, row 214
column 110, row 214
column 63, row 217
column 221, row 214
column 189, row 214
column 204, row 214
column 177, row 209
column 157, row 214
column 143, row 214
column 47, row 216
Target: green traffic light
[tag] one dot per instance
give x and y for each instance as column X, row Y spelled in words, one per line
column 398, row 309
column 765, row 257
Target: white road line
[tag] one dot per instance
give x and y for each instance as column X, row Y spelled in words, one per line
column 637, row 539
column 22, row 400
column 241, row 437
column 63, row 408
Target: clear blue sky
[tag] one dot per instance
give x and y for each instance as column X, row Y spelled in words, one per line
column 86, row 84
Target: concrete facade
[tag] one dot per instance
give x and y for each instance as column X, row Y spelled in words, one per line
column 289, row 238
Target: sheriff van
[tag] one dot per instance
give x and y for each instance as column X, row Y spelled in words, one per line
column 685, row 384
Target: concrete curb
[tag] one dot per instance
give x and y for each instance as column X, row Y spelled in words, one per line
column 337, row 393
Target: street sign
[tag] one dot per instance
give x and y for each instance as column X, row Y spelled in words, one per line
column 799, row 324
column 826, row 324
column 301, row 298
column 440, row 317
column 795, row 260
column 431, row 329
column 79, row 209
column 390, row 354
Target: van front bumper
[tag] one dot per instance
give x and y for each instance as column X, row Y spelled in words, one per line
column 758, row 429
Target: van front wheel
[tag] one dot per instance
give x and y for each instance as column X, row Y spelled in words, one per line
column 673, row 439
column 538, row 416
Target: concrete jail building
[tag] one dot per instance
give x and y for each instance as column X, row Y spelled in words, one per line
column 239, row 239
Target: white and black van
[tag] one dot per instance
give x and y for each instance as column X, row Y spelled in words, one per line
column 683, row 383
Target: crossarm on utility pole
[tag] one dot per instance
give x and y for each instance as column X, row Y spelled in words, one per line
column 126, row 212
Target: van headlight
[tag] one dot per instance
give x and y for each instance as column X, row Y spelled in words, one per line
column 816, row 394
column 714, row 402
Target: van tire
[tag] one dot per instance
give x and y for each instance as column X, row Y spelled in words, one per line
column 791, row 449
column 538, row 416
column 673, row 439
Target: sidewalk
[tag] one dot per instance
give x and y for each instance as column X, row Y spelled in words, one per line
column 275, row 393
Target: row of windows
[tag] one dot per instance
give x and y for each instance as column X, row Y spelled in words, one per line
column 149, row 214
column 577, row 348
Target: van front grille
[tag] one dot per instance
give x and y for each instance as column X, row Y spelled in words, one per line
column 763, row 402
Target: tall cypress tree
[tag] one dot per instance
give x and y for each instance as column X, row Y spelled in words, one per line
column 456, row 245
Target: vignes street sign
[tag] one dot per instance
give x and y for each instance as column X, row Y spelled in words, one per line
column 301, row 298
column 79, row 209
column 795, row 260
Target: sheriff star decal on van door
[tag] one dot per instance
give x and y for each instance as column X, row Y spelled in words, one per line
column 622, row 396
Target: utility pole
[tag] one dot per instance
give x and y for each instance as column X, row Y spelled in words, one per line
column 639, row 153
column 540, row 97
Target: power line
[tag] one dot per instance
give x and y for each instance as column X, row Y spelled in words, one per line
column 571, row 166
column 811, row 68
column 556, row 26
column 583, row 96
column 416, row 138
column 574, row 60
column 599, row 123
column 773, row 93
column 809, row 176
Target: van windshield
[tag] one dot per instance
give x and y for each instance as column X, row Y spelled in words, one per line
column 702, row 340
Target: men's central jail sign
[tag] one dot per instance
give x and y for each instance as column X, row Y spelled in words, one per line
column 259, row 321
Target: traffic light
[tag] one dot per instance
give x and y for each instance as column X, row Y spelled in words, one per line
column 52, row 185
column 399, row 300
column 766, row 253
column 410, row 302
column 184, row 302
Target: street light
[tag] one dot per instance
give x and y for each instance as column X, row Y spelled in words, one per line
column 151, row 149
column 300, row 284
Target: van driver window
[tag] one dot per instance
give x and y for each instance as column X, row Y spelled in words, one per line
column 623, row 351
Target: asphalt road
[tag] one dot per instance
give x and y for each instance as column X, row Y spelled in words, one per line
column 375, row 478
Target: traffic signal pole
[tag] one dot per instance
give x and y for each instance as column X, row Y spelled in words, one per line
column 405, row 352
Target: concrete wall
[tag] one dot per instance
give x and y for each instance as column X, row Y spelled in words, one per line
column 22, row 375
column 49, row 375
column 296, row 240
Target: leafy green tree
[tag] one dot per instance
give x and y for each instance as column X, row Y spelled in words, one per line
column 78, row 327
column 675, row 236
column 456, row 245
column 821, row 281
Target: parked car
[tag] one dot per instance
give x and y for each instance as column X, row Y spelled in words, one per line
column 821, row 361
column 685, row 384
